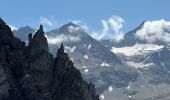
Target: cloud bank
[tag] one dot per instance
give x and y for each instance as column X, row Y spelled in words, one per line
column 73, row 29
column 104, row 32
column 155, row 30
column 116, row 23
column 62, row 38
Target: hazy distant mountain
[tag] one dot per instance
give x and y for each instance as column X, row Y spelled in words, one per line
column 23, row 32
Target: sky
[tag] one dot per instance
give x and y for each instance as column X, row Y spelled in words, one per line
column 96, row 16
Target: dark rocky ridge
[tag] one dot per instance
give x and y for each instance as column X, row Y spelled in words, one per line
column 32, row 73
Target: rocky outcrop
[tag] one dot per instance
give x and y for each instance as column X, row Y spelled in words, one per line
column 32, row 73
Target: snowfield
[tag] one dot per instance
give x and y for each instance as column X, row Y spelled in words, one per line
column 137, row 49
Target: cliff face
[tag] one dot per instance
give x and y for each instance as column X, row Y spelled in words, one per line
column 32, row 73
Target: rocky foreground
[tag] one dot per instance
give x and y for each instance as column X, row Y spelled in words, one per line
column 32, row 73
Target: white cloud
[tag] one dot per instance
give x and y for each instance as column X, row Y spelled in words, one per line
column 104, row 32
column 111, row 28
column 69, row 49
column 116, row 23
column 118, row 37
column 62, row 38
column 46, row 21
column 12, row 27
column 73, row 29
column 155, row 30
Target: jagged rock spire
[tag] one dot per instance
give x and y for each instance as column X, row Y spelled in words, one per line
column 62, row 47
column 39, row 41
column 61, row 54
column 41, row 28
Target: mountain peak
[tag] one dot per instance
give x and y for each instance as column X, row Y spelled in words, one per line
column 41, row 28
column 69, row 28
column 71, row 24
column 39, row 41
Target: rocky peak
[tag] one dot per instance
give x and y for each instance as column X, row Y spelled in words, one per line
column 61, row 54
column 36, row 75
column 69, row 28
column 39, row 41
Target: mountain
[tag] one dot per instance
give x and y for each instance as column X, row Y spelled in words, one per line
column 155, row 32
column 130, row 39
column 160, row 66
column 32, row 73
column 82, row 47
column 23, row 32
column 145, row 49
column 133, row 69
column 96, row 63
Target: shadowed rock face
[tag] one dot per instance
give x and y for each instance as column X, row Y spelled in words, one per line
column 32, row 73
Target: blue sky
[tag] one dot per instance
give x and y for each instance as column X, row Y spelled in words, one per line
column 31, row 12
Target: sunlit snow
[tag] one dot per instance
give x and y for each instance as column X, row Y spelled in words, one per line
column 105, row 64
column 86, row 57
column 86, row 70
column 102, row 97
column 110, row 88
column 89, row 46
column 137, row 49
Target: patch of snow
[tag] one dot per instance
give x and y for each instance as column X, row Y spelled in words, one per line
column 110, row 88
column 105, row 64
column 139, row 65
column 62, row 38
column 137, row 49
column 128, row 87
column 86, row 57
column 89, row 46
column 129, row 96
column 86, row 70
column 84, row 67
column 102, row 97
